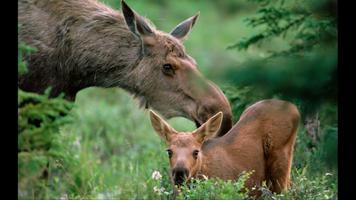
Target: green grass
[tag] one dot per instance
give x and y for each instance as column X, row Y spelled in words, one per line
column 116, row 146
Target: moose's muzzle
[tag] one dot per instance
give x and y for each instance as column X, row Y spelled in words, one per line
column 179, row 175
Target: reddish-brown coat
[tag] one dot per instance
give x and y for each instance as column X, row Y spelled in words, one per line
column 262, row 140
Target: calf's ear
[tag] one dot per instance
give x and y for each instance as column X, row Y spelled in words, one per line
column 137, row 24
column 209, row 128
column 162, row 128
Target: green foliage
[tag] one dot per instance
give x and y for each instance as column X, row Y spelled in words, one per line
column 41, row 149
column 39, row 118
column 326, row 151
column 23, row 50
column 306, row 187
column 321, row 158
column 301, row 22
column 303, row 72
column 215, row 189
column 311, row 79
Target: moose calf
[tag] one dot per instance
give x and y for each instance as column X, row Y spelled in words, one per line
column 262, row 140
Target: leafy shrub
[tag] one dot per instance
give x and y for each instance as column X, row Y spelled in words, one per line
column 23, row 50
column 42, row 150
column 306, row 187
column 39, row 118
column 215, row 189
column 306, row 25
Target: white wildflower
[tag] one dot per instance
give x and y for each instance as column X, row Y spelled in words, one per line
column 101, row 196
column 64, row 197
column 328, row 174
column 205, row 177
column 155, row 189
column 77, row 142
column 156, row 175
column 158, row 190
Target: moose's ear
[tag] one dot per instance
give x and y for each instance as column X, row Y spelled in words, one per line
column 181, row 30
column 162, row 128
column 209, row 128
column 129, row 16
column 136, row 23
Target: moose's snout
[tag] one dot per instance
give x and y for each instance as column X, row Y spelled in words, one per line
column 214, row 102
column 179, row 175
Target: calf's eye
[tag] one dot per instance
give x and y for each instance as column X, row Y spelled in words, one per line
column 170, row 153
column 195, row 154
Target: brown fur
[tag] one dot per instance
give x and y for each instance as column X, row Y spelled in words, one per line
column 262, row 140
column 83, row 43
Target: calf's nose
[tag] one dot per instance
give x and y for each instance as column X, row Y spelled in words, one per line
column 179, row 175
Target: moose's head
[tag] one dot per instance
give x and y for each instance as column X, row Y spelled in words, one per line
column 167, row 78
column 184, row 149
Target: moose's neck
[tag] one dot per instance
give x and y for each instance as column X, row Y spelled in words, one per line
column 82, row 44
column 105, row 51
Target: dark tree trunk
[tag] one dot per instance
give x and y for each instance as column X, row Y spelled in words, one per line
column 312, row 126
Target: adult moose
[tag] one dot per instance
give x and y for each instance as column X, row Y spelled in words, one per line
column 83, row 43
column 262, row 140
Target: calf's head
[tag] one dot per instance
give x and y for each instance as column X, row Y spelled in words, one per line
column 184, row 149
column 167, row 78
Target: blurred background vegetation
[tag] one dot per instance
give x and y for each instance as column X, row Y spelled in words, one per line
column 103, row 147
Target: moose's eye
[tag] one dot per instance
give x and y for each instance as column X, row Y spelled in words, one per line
column 170, row 153
column 195, row 154
column 168, row 70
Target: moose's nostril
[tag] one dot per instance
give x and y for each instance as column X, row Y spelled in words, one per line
column 179, row 175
